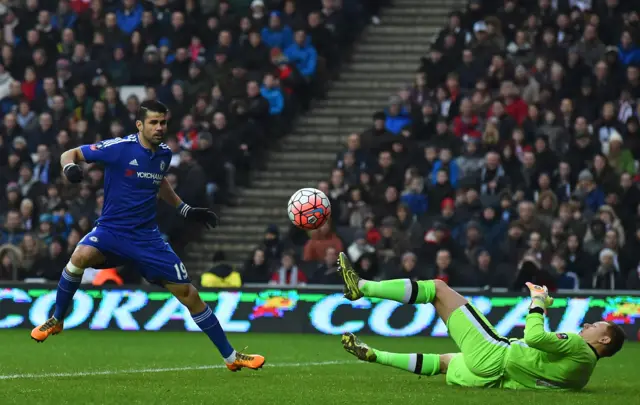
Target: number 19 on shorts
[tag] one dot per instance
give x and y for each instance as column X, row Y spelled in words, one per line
column 181, row 271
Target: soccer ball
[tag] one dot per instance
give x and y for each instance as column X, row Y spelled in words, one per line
column 309, row 208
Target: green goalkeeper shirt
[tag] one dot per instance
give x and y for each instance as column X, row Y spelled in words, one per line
column 546, row 360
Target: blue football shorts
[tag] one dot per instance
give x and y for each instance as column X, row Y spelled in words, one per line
column 151, row 256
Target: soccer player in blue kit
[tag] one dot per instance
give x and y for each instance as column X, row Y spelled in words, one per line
column 126, row 231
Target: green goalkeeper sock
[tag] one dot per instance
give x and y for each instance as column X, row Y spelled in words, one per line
column 418, row 363
column 402, row 290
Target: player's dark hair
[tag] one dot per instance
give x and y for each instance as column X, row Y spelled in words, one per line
column 617, row 336
column 150, row 106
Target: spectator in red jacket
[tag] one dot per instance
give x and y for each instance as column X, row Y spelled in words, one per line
column 288, row 274
column 188, row 134
column 514, row 105
column 80, row 6
column 467, row 123
column 321, row 239
column 29, row 84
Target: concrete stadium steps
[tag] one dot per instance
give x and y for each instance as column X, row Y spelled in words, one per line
column 358, row 121
column 396, row 77
column 304, row 177
column 343, row 111
column 426, row 20
column 305, row 147
column 426, row 9
column 381, row 57
column 235, row 224
column 369, row 84
column 281, row 193
column 248, row 212
column 236, row 237
column 367, row 104
column 303, row 156
column 265, row 210
column 382, row 95
column 408, row 31
column 337, row 131
column 384, row 61
column 290, row 185
column 298, row 166
column 390, row 65
column 385, row 49
column 312, row 137
column 400, row 40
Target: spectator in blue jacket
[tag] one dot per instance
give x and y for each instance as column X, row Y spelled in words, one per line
column 62, row 220
column 303, row 54
column 64, row 16
column 494, row 229
column 129, row 16
column 414, row 198
column 12, row 231
column 592, row 195
column 628, row 53
column 444, row 162
column 566, row 280
column 271, row 91
column 277, row 35
column 397, row 117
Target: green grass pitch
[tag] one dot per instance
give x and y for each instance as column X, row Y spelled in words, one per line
column 83, row 367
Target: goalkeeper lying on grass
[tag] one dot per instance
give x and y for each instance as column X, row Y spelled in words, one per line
column 539, row 360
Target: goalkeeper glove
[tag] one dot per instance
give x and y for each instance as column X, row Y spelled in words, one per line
column 202, row 215
column 539, row 296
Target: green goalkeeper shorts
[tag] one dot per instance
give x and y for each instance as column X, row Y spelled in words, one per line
column 483, row 351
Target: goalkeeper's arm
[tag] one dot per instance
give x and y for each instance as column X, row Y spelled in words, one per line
column 534, row 334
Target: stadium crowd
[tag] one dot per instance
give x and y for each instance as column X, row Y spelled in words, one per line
column 514, row 156
column 233, row 73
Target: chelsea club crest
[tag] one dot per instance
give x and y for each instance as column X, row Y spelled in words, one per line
column 162, row 165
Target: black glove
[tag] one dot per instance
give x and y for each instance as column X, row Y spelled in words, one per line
column 202, row 215
column 73, row 172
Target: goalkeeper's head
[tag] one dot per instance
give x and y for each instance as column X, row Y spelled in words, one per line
column 606, row 338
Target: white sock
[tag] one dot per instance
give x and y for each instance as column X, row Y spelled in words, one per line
column 361, row 282
column 231, row 358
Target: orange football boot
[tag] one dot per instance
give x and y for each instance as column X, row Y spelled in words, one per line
column 51, row 327
column 252, row 361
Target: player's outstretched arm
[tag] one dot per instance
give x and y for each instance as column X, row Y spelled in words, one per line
column 202, row 215
column 534, row 334
column 106, row 152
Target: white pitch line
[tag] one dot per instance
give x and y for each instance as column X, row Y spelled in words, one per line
column 160, row 370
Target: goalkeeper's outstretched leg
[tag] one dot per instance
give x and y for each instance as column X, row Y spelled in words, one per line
column 436, row 292
column 417, row 363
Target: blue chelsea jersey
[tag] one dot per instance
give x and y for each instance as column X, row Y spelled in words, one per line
column 132, row 179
